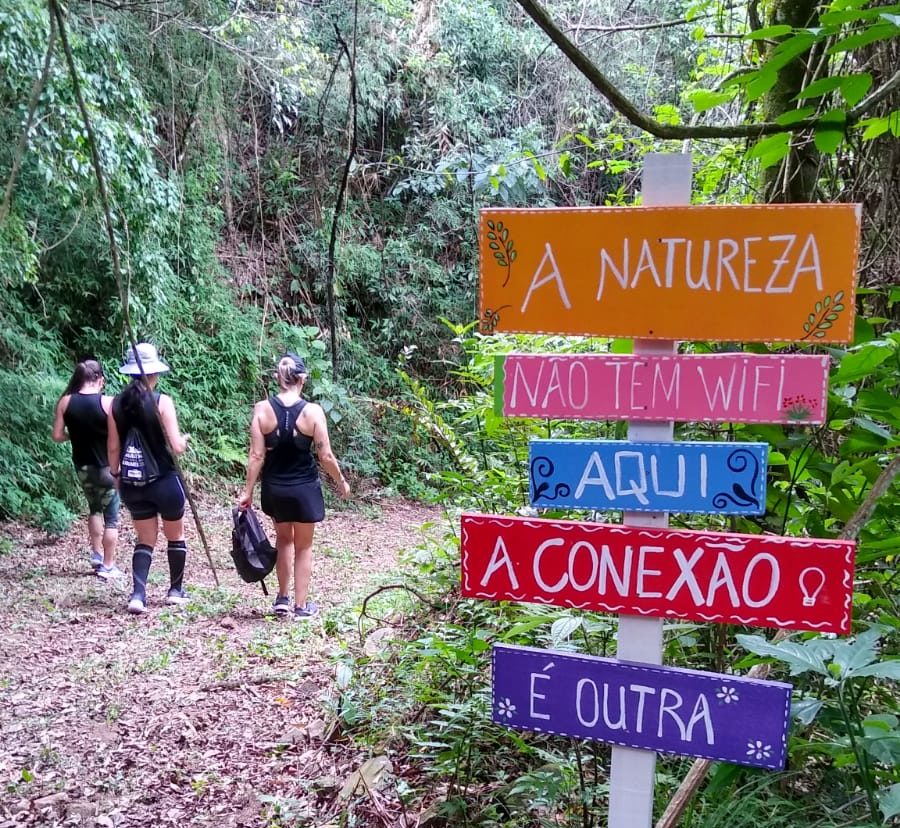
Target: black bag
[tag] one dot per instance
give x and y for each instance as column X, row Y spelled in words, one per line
column 253, row 554
column 137, row 467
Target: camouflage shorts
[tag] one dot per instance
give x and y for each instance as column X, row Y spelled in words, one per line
column 99, row 489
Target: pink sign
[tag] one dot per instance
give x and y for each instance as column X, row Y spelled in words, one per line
column 735, row 388
column 758, row 580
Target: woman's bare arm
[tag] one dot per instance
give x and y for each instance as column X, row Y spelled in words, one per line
column 177, row 440
column 113, row 444
column 60, row 435
column 255, row 456
column 322, row 442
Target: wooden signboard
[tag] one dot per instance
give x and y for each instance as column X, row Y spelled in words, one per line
column 735, row 388
column 742, row 273
column 758, row 580
column 666, row 709
column 701, row 478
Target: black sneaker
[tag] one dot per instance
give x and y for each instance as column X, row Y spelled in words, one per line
column 310, row 610
column 282, row 605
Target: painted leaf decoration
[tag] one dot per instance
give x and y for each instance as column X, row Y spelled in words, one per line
column 512, row 255
column 504, row 235
column 494, row 246
column 490, row 224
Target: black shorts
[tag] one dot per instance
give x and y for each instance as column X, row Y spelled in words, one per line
column 164, row 497
column 294, row 502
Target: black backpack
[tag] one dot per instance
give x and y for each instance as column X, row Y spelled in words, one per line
column 137, row 466
column 252, row 553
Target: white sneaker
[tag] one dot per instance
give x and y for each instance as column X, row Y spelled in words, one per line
column 177, row 597
column 108, row 573
column 137, row 606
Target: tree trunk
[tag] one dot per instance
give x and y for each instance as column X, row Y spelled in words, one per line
column 795, row 178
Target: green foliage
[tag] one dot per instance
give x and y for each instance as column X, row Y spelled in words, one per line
column 428, row 691
column 37, row 482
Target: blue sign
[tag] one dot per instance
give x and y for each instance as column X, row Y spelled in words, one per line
column 666, row 709
column 703, row 478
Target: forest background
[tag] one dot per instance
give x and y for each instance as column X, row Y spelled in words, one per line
column 308, row 175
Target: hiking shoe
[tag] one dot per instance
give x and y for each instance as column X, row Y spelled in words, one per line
column 282, row 605
column 109, row 573
column 137, row 605
column 96, row 560
column 310, row 610
column 177, row 597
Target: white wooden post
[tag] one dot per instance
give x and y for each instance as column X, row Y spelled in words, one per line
column 666, row 180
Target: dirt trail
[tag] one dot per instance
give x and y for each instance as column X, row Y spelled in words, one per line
column 210, row 714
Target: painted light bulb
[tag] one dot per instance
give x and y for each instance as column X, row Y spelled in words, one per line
column 812, row 579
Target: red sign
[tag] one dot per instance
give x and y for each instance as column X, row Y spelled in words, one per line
column 759, row 580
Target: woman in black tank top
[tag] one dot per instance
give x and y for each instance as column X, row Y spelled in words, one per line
column 284, row 430
column 81, row 417
column 155, row 501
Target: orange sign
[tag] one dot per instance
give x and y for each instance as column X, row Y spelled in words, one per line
column 743, row 273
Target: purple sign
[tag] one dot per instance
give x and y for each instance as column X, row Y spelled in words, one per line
column 666, row 709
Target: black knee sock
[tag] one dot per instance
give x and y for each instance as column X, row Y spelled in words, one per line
column 140, row 569
column 177, row 555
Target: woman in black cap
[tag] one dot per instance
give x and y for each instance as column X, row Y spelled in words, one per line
column 81, row 417
column 148, row 480
column 283, row 431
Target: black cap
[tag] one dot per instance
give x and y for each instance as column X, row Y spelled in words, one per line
column 299, row 364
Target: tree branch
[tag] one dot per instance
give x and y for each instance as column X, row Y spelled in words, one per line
column 679, row 132
column 103, row 193
column 638, row 27
column 694, row 779
column 342, row 189
column 36, row 91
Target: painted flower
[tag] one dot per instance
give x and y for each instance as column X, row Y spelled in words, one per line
column 727, row 695
column 506, row 708
column 758, row 750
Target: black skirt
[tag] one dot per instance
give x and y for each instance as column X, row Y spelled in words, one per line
column 294, row 502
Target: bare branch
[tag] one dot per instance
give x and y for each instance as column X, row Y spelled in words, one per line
column 103, row 194
column 36, row 91
column 638, row 27
column 342, row 188
column 694, row 779
column 680, row 132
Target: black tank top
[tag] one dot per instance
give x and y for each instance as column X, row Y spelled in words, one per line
column 288, row 456
column 85, row 421
column 147, row 422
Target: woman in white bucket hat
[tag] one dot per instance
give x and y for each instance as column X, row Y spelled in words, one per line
column 148, row 479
